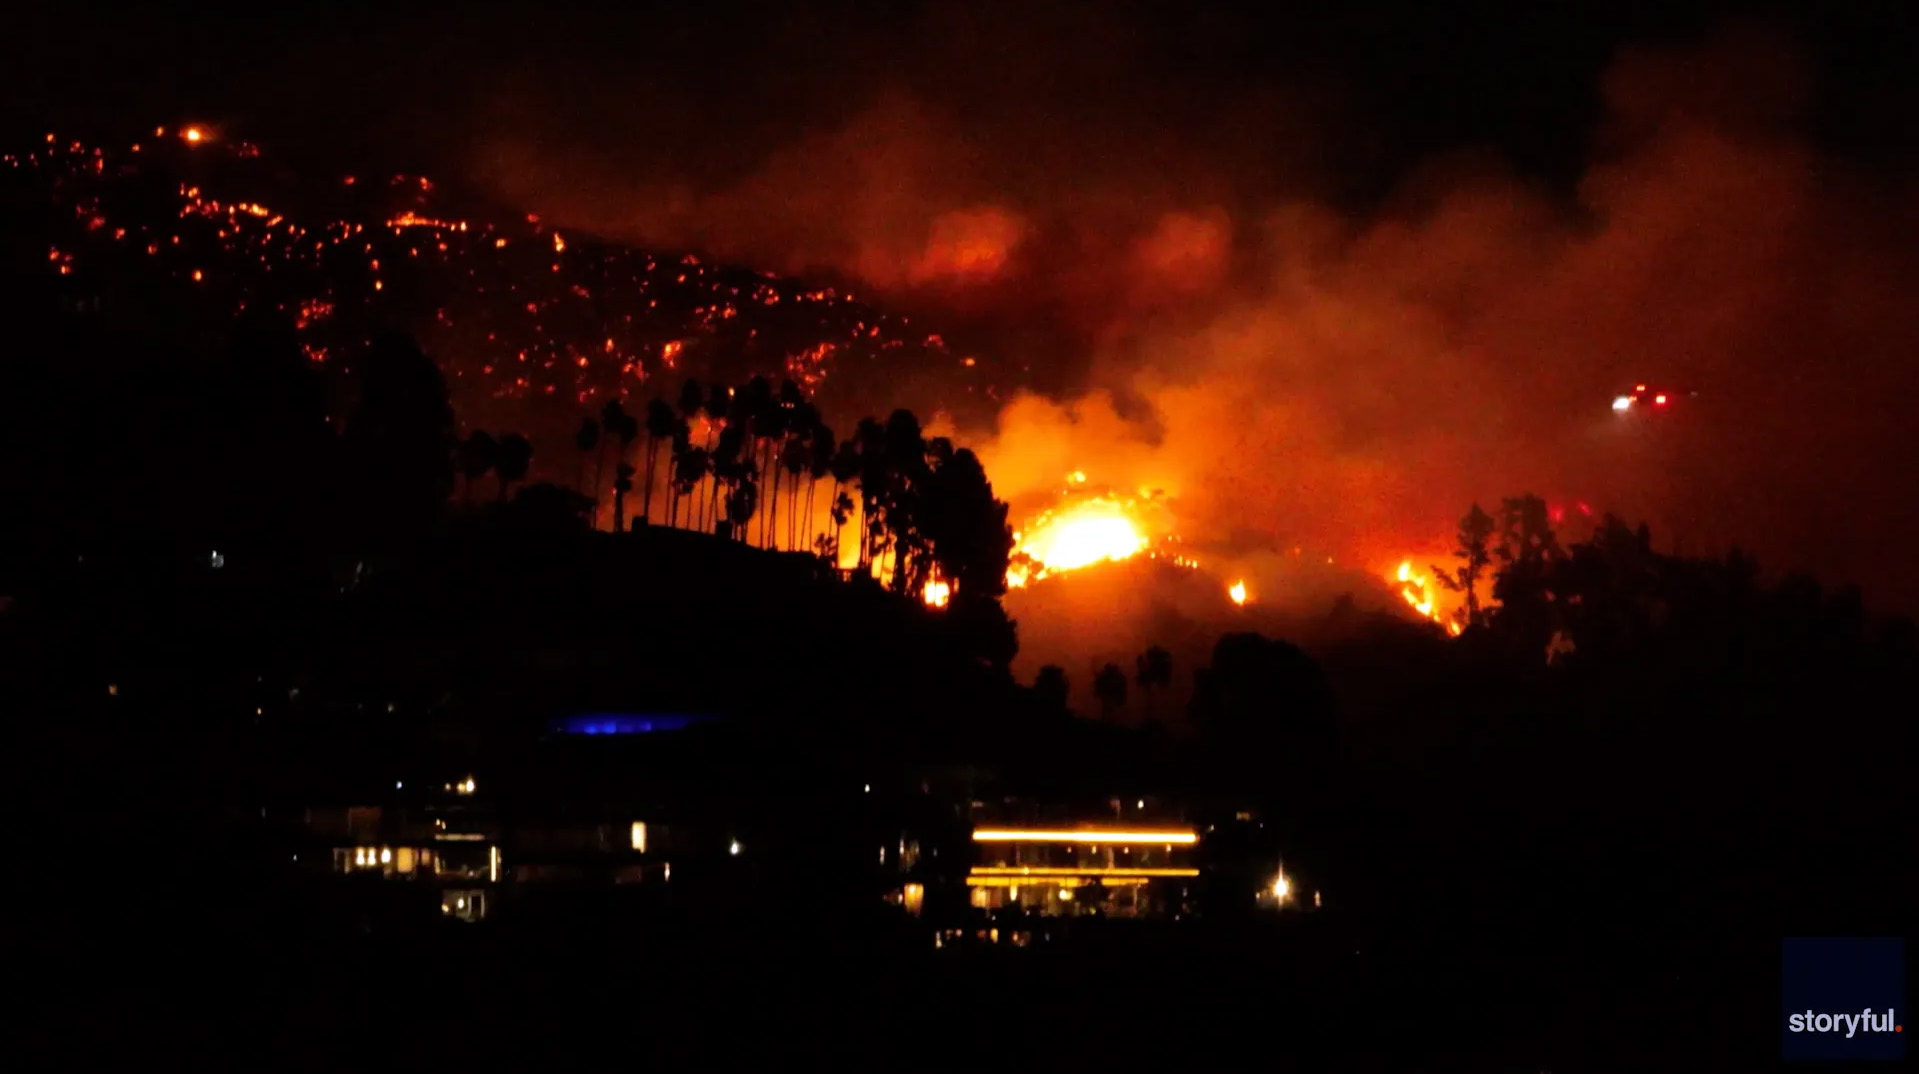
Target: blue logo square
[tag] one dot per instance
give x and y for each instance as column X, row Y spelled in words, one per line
column 1842, row 998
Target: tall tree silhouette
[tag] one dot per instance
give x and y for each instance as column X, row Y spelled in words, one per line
column 820, row 451
column 588, row 441
column 1475, row 555
column 795, row 455
column 625, row 429
column 1153, row 670
column 719, row 401
column 730, row 465
column 964, row 524
column 741, row 503
column 660, row 423
column 1051, row 687
column 516, row 458
column 846, row 469
column 1528, row 552
column 612, row 415
column 869, row 439
column 690, row 469
column 692, row 401
column 902, row 475
column 1109, row 686
column 622, row 484
column 477, row 455
column 680, row 445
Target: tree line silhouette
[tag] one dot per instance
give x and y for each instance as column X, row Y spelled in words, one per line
column 753, row 463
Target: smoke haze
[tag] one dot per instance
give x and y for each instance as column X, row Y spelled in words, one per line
column 1195, row 312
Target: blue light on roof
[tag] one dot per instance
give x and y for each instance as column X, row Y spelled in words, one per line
column 605, row 724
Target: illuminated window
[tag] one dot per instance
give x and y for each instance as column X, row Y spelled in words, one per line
column 639, row 836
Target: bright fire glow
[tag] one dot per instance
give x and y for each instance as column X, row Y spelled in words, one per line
column 1419, row 593
column 1082, row 534
column 937, row 593
column 194, row 135
column 1092, row 836
column 1624, row 402
column 1416, row 588
column 1237, row 591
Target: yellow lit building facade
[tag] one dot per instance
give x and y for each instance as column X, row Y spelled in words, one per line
column 1116, row 871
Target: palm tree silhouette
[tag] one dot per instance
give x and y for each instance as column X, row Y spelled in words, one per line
column 681, row 443
column 692, row 399
column 628, row 430
column 612, row 415
column 1110, row 687
column 842, row 510
column 870, row 448
column 1051, row 686
column 729, row 465
column 660, row 424
column 622, row 484
column 741, row 504
column 588, row 441
column 719, row 399
column 1153, row 670
column 689, row 470
column 794, row 457
column 516, row 457
column 846, row 468
column 819, row 463
column 477, row 455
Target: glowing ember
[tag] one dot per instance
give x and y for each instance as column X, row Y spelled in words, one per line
column 1237, row 591
column 937, row 593
column 194, row 135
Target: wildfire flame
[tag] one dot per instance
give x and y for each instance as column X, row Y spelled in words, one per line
column 1080, row 535
column 1422, row 596
column 937, row 593
column 1237, row 591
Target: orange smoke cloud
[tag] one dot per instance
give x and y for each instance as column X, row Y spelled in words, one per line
column 1186, row 253
column 1292, row 375
column 1370, row 379
column 968, row 246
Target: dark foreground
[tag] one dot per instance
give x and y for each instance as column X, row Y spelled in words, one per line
column 271, row 982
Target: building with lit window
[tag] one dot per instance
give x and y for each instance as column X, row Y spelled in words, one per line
column 1083, row 870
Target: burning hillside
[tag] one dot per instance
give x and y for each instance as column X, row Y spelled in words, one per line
column 527, row 320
